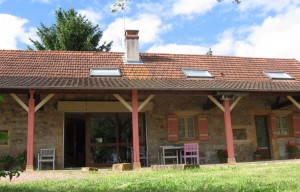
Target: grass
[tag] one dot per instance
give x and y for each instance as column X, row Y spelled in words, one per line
column 259, row 177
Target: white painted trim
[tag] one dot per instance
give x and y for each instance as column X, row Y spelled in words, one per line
column 18, row 100
column 216, row 102
column 294, row 101
column 235, row 102
column 43, row 102
column 117, row 96
column 145, row 102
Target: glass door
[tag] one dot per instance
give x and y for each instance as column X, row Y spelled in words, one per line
column 109, row 138
column 262, row 136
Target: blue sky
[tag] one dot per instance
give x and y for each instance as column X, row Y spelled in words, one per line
column 255, row 28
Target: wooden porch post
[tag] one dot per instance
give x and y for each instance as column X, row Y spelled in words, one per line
column 29, row 166
column 135, row 131
column 228, row 130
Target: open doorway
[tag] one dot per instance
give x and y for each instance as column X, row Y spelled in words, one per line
column 74, row 140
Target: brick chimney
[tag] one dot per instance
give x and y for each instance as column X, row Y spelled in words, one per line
column 132, row 47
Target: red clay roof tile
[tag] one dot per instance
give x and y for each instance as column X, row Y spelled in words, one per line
column 67, row 69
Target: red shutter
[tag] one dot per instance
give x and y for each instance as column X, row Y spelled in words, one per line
column 172, row 128
column 296, row 124
column 203, row 128
column 273, row 126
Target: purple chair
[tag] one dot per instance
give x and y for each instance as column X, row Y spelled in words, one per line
column 190, row 151
column 143, row 155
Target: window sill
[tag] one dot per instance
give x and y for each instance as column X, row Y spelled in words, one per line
column 188, row 139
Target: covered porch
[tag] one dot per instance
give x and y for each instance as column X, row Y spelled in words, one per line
column 228, row 121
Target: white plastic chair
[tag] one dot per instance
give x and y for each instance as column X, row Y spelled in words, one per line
column 169, row 152
column 46, row 155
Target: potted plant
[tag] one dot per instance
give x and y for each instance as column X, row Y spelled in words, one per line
column 222, row 155
column 22, row 160
column 5, row 161
column 291, row 149
column 257, row 154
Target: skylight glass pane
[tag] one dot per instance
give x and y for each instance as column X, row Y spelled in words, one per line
column 278, row 75
column 105, row 72
column 196, row 73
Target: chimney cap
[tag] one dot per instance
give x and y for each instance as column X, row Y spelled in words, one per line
column 131, row 34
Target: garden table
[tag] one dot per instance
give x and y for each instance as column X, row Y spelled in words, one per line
column 170, row 152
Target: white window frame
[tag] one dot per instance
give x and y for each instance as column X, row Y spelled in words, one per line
column 279, row 75
column 280, row 125
column 186, row 130
column 105, row 72
column 197, row 73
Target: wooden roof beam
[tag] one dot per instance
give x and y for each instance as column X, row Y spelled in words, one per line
column 294, row 101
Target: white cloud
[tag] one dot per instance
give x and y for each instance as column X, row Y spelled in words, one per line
column 91, row 14
column 162, row 8
column 2, row 1
column 277, row 36
column 180, row 49
column 13, row 30
column 226, row 44
column 268, row 5
column 149, row 26
column 189, row 7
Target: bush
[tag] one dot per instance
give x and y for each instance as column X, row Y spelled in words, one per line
column 10, row 174
column 6, row 159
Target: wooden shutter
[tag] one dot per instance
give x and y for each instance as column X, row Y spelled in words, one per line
column 172, row 128
column 273, row 126
column 202, row 125
column 296, row 124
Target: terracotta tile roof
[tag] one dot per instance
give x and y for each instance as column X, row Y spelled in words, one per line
column 70, row 70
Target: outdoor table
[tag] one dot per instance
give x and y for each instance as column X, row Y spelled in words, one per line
column 173, row 150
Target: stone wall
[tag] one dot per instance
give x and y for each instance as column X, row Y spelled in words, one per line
column 49, row 125
column 242, row 119
column 48, row 132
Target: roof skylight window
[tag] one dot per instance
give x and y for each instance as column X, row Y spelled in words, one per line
column 280, row 75
column 196, row 73
column 105, row 72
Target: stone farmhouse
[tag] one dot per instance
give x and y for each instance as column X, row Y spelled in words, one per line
column 99, row 108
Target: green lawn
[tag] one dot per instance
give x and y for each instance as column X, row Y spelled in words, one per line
column 260, row 177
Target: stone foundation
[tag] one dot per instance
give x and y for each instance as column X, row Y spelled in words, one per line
column 123, row 167
column 173, row 167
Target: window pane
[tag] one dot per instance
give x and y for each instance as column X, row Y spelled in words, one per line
column 181, row 127
column 278, row 75
column 282, row 125
column 196, row 73
column 105, row 72
column 284, row 122
column 285, row 132
column 277, row 122
column 104, row 127
column 125, row 128
column 190, row 125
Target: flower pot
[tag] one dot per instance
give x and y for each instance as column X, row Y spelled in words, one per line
column 292, row 156
column 23, row 166
column 257, row 157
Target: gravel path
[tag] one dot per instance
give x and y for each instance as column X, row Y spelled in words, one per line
column 49, row 175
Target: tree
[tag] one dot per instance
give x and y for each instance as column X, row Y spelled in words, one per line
column 209, row 52
column 72, row 32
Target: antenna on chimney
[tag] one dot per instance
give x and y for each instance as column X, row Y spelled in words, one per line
column 119, row 6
